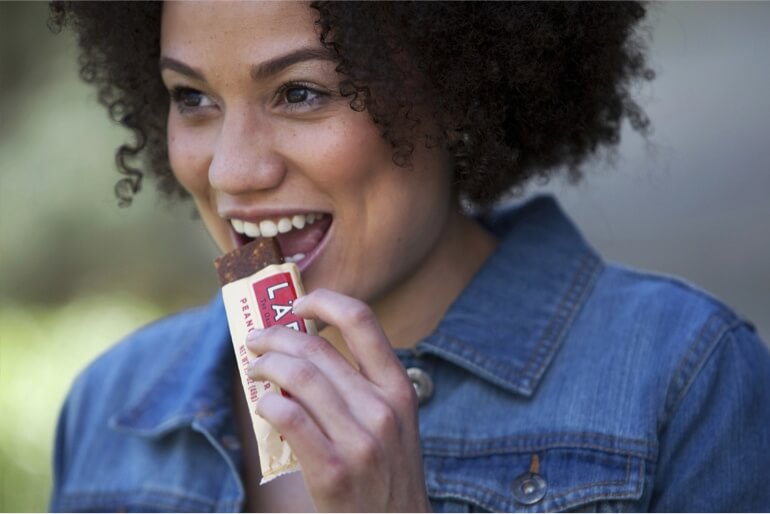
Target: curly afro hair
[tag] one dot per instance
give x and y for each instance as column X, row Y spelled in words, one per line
column 517, row 90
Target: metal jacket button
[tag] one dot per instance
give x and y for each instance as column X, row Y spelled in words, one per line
column 529, row 488
column 423, row 384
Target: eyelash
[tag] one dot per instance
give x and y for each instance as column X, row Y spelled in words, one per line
column 178, row 95
column 317, row 95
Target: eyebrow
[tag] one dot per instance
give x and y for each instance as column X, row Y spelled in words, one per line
column 178, row 66
column 258, row 71
column 278, row 64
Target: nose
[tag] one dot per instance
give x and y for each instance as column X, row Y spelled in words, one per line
column 244, row 158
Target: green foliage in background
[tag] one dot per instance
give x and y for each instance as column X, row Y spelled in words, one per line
column 41, row 351
column 61, row 230
column 72, row 264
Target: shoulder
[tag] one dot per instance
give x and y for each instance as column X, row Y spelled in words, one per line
column 667, row 323
column 701, row 373
column 655, row 310
column 628, row 390
column 655, row 331
column 138, row 359
column 591, row 316
column 654, row 359
column 134, row 371
column 124, row 400
column 586, row 318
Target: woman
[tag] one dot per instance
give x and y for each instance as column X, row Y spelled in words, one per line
column 543, row 378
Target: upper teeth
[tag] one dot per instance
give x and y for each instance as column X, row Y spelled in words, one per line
column 269, row 228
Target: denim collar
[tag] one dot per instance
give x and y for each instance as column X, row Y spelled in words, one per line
column 505, row 327
column 509, row 322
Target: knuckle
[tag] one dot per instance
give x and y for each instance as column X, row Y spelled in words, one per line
column 336, row 477
column 383, row 418
column 302, row 374
column 269, row 333
column 291, row 417
column 367, row 452
column 257, row 366
column 404, row 396
column 318, row 294
column 313, row 345
column 360, row 313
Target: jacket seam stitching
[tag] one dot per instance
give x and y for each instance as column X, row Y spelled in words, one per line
column 538, row 448
column 597, row 496
column 711, row 334
column 543, row 351
column 496, row 497
column 549, row 435
column 605, row 495
column 560, row 320
column 474, row 359
column 222, row 453
column 625, row 480
column 149, row 395
column 553, row 440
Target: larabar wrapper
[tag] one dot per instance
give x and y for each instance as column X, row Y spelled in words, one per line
column 258, row 292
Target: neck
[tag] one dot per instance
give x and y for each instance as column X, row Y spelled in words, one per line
column 411, row 311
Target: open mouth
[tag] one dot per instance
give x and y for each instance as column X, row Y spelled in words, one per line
column 299, row 236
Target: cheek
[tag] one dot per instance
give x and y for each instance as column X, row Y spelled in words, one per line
column 189, row 159
column 342, row 154
column 416, row 205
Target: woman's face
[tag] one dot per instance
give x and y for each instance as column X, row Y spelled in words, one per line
column 259, row 138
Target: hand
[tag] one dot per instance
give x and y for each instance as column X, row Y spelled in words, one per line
column 354, row 432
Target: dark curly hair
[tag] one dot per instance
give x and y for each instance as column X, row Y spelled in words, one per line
column 517, row 90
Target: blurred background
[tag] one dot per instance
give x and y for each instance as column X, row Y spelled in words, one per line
column 77, row 272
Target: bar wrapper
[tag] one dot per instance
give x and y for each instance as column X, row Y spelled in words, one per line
column 252, row 303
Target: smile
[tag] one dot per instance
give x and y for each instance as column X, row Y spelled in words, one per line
column 299, row 236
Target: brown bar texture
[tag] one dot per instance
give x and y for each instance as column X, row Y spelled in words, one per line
column 248, row 259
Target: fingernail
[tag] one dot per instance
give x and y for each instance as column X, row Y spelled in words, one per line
column 252, row 336
column 250, row 367
column 297, row 303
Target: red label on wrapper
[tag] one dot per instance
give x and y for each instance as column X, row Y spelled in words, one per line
column 275, row 296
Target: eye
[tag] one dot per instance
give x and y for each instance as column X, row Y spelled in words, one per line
column 300, row 97
column 297, row 94
column 188, row 99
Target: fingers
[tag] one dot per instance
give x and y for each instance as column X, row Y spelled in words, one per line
column 354, row 431
column 350, row 385
column 309, row 387
column 295, row 424
column 316, row 349
column 366, row 402
column 360, row 330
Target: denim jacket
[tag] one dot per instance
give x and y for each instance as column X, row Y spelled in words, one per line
column 559, row 383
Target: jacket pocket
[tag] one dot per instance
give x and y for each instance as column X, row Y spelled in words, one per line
column 538, row 479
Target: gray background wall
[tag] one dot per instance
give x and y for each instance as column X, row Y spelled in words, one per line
column 694, row 201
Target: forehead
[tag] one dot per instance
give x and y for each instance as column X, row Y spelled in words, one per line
column 253, row 31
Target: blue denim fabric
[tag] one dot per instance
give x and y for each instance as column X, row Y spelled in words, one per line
column 560, row 383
